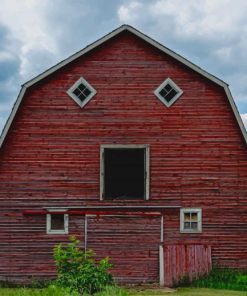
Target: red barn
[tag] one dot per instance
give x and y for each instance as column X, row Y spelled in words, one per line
column 135, row 150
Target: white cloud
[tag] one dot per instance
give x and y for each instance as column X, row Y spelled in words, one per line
column 224, row 53
column 129, row 13
column 28, row 31
column 203, row 19
column 6, row 56
column 213, row 19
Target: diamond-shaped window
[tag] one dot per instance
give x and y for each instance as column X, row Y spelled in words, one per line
column 81, row 92
column 168, row 92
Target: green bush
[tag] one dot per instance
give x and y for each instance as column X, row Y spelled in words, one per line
column 78, row 270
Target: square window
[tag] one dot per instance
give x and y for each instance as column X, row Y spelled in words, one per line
column 190, row 220
column 81, row 92
column 168, row 92
column 124, row 172
column 57, row 223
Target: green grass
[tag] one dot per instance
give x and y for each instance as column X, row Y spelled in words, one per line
column 223, row 278
column 207, row 292
column 49, row 291
column 188, row 292
column 53, row 291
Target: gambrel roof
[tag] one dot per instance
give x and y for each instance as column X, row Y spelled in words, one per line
column 106, row 38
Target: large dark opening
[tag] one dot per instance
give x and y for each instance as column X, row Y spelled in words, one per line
column 124, row 173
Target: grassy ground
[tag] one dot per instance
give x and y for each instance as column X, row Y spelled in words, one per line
column 148, row 292
column 191, row 292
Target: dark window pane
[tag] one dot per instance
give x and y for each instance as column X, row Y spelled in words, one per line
column 82, row 97
column 57, row 222
column 187, row 225
column 194, row 225
column 81, row 87
column 76, row 92
column 168, row 87
column 163, row 93
column 170, row 95
column 87, row 92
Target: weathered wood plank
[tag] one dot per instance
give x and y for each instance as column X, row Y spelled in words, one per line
column 186, row 261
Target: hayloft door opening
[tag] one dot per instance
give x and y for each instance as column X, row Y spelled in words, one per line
column 124, row 173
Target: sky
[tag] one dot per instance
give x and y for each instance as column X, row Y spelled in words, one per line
column 37, row 34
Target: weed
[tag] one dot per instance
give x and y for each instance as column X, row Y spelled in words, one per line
column 223, row 278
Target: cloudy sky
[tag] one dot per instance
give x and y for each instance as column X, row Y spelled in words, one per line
column 36, row 34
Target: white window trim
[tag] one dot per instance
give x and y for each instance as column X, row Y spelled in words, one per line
column 130, row 146
column 57, row 231
column 174, row 85
column 199, row 215
column 75, row 98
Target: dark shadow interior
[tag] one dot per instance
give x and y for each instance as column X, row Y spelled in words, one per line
column 124, row 173
column 57, row 222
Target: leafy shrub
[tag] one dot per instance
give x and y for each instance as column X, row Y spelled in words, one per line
column 79, row 271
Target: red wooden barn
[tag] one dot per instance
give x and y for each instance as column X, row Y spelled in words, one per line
column 134, row 149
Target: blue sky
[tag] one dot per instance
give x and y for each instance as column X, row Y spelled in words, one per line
column 35, row 35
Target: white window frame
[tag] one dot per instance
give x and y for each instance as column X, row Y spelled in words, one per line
column 75, row 98
column 131, row 146
column 49, row 230
column 173, row 85
column 199, row 220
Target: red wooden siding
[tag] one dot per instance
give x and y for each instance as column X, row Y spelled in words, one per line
column 51, row 156
column 26, row 250
column 190, row 261
column 132, row 243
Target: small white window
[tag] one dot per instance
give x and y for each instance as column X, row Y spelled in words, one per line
column 168, row 92
column 81, row 92
column 57, row 223
column 190, row 220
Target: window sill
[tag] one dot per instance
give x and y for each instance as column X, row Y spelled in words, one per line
column 190, row 231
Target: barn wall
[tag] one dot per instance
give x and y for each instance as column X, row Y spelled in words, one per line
column 132, row 244
column 51, row 155
column 26, row 250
